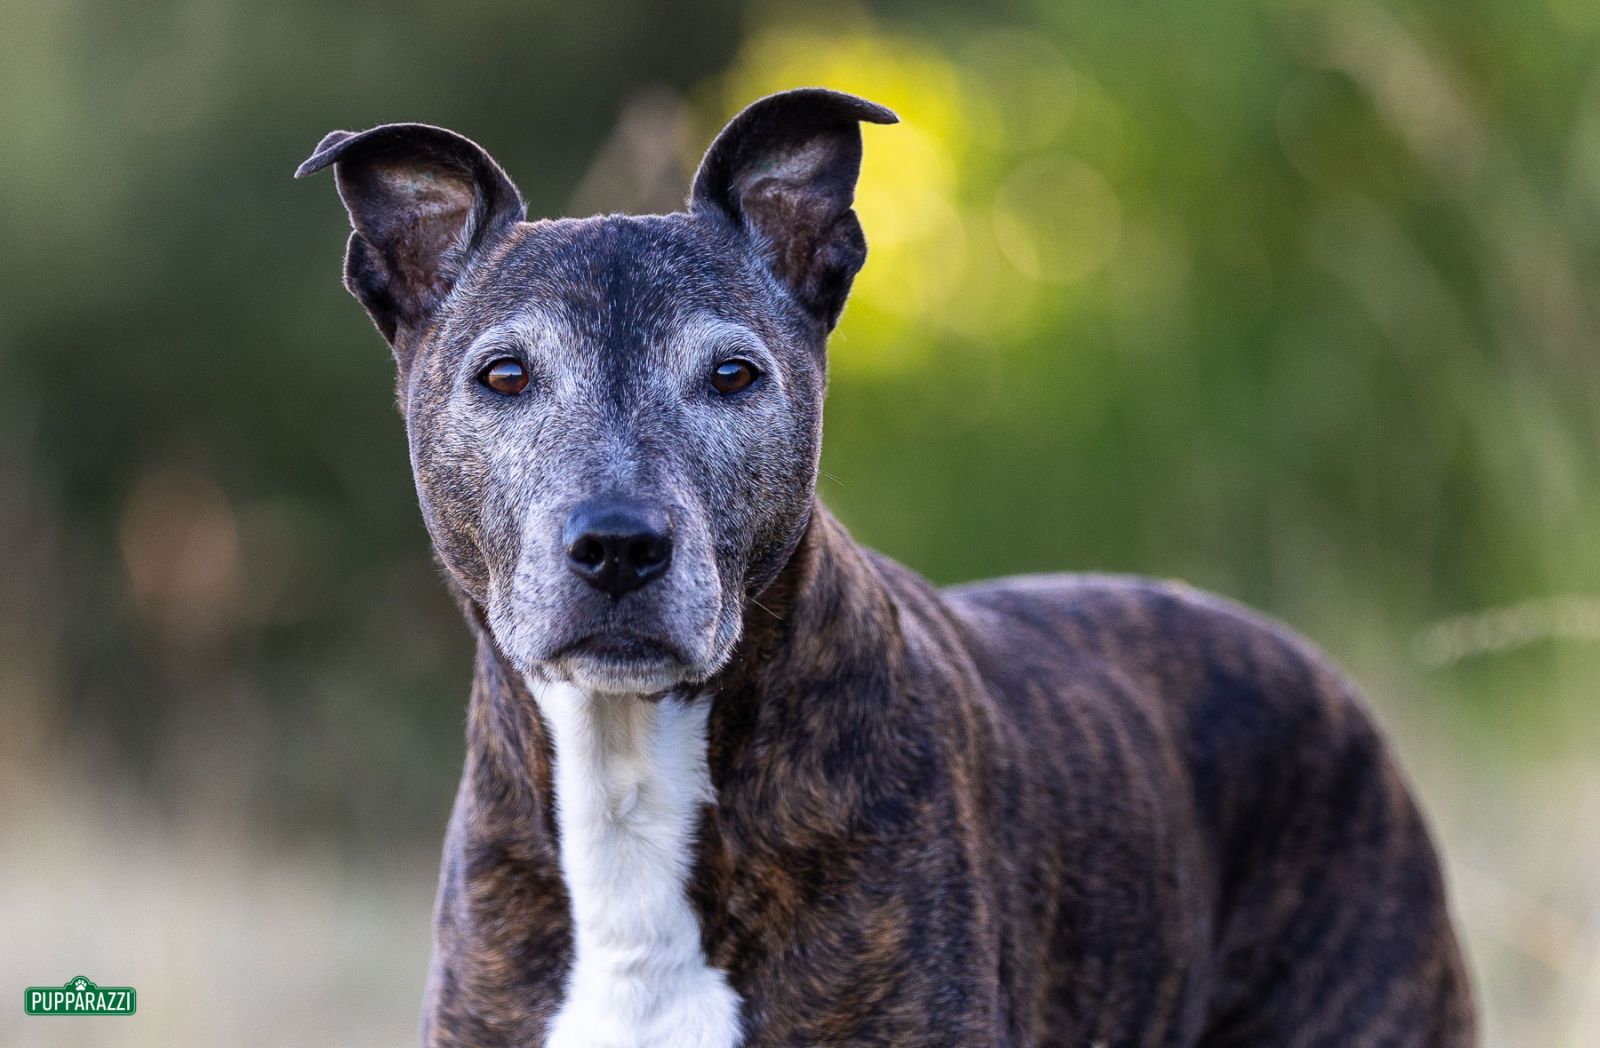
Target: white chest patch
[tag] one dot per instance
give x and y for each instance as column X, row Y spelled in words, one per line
column 630, row 777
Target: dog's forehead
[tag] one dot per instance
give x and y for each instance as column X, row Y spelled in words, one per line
column 617, row 279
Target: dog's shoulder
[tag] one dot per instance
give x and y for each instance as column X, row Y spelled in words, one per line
column 1233, row 691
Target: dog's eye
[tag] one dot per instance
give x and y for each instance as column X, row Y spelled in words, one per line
column 506, row 375
column 731, row 376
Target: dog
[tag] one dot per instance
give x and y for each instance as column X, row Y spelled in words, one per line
column 733, row 779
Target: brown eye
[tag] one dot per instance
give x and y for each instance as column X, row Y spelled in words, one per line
column 506, row 375
column 732, row 376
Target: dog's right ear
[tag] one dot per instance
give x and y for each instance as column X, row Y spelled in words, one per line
column 422, row 201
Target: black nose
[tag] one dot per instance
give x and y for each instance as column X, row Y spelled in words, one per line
column 617, row 546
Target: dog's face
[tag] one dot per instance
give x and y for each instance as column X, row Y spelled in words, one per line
column 614, row 422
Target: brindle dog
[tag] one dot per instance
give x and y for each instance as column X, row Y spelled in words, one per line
column 733, row 779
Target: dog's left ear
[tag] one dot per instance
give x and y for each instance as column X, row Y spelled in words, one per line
column 422, row 201
column 785, row 170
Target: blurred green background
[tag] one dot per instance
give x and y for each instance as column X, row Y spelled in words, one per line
column 1295, row 301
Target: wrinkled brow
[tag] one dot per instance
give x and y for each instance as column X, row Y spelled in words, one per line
column 534, row 330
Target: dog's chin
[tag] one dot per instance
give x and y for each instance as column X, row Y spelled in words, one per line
column 621, row 664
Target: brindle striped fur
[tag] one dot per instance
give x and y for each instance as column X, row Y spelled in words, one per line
column 1039, row 811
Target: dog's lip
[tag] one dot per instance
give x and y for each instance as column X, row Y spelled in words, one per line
column 620, row 646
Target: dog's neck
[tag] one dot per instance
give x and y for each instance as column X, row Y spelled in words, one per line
column 819, row 642
column 630, row 781
column 624, row 782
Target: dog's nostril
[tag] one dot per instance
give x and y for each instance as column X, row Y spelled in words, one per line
column 588, row 551
column 647, row 553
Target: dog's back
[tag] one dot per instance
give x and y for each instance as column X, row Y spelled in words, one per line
column 1211, row 823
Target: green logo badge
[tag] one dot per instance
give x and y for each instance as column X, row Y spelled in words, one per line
column 79, row 996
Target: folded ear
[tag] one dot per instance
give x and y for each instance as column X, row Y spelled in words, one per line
column 422, row 201
column 785, row 171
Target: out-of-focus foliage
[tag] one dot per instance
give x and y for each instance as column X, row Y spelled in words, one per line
column 1295, row 300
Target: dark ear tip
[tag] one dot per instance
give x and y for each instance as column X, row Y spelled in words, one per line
column 823, row 99
column 325, row 153
column 873, row 113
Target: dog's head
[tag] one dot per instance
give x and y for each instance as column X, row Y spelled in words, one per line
column 614, row 422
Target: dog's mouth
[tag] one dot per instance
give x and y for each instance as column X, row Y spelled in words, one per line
column 621, row 662
column 621, row 648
